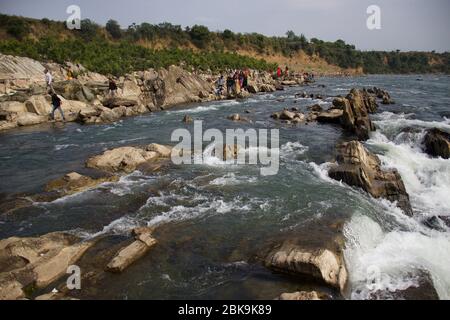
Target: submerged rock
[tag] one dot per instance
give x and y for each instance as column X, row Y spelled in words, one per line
column 73, row 183
column 358, row 167
column 188, row 119
column 437, row 143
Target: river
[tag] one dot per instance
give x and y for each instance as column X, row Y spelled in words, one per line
column 220, row 215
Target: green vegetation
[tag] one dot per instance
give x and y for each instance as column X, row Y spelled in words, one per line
column 116, row 50
column 105, row 57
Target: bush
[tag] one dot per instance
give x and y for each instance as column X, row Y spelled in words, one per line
column 113, row 28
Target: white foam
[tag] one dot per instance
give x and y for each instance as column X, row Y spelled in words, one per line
column 232, row 179
column 398, row 255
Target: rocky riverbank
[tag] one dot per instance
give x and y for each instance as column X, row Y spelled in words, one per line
column 24, row 100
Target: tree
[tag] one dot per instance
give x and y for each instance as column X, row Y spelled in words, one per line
column 113, row 28
column 88, row 29
column 200, row 36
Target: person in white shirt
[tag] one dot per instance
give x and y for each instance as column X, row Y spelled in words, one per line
column 48, row 80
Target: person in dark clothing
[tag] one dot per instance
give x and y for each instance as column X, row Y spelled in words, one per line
column 112, row 87
column 56, row 104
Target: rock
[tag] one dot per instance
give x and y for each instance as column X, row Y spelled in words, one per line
column 321, row 264
column 358, row 167
column 330, row 116
column 230, row 152
column 162, row 151
column 235, row 117
column 315, row 108
column 188, row 119
column 28, row 119
column 253, row 88
column 287, row 115
column 356, row 108
column 131, row 253
column 108, row 115
column 38, row 105
column 74, row 182
column 276, row 115
column 13, row 106
column 125, row 159
column 301, row 295
column 437, row 143
column 117, row 102
column 43, row 260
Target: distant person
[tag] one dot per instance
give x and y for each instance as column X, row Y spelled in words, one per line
column 69, row 73
column 278, row 72
column 245, row 82
column 230, row 84
column 220, row 85
column 112, row 87
column 56, row 104
column 48, row 80
column 286, row 72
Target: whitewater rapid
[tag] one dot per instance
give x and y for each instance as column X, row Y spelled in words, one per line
column 394, row 248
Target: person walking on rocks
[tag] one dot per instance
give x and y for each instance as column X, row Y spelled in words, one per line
column 112, row 87
column 56, row 104
column 48, row 80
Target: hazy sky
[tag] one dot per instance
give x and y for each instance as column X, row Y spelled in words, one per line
column 406, row 24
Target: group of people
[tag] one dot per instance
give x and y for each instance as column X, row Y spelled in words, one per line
column 56, row 101
column 235, row 82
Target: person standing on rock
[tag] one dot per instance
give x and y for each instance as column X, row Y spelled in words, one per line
column 56, row 104
column 112, row 87
column 48, row 80
column 220, row 85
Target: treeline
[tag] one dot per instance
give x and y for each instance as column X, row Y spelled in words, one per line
column 216, row 43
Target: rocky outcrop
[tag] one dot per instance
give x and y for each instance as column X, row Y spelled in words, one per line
column 127, row 159
column 356, row 166
column 437, row 143
column 356, row 108
column 134, row 251
column 36, row 262
column 330, row 116
column 74, row 182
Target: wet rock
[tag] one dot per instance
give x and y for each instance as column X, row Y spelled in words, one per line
column 330, row 116
column 315, row 108
column 230, row 152
column 133, row 252
column 188, row 119
column 301, row 295
column 127, row 159
column 437, row 143
column 74, row 182
column 318, row 263
column 44, row 260
column 358, row 167
column 121, row 159
column 162, row 151
column 287, row 115
column 356, row 108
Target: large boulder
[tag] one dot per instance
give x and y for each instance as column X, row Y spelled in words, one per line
column 330, row 116
column 356, row 108
column 437, row 143
column 36, row 262
column 113, row 102
column 13, row 106
column 39, row 105
column 322, row 264
column 358, row 167
column 28, row 119
column 127, row 159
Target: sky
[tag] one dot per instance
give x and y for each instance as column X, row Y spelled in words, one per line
column 406, row 25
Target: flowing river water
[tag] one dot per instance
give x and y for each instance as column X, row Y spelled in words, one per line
column 220, row 215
